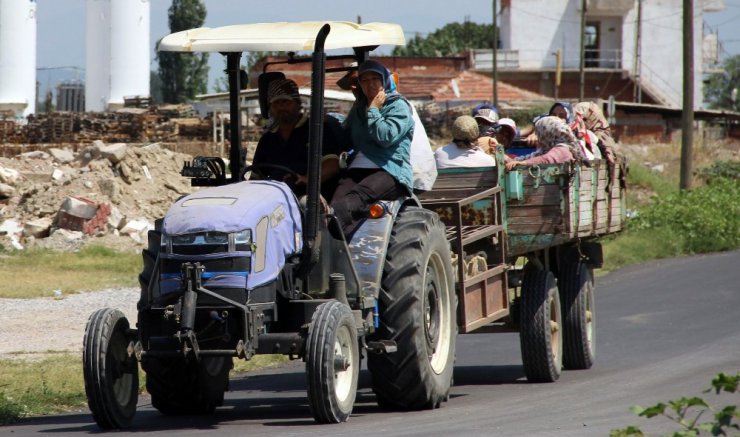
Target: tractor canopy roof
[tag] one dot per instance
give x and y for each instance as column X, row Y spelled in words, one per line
column 282, row 36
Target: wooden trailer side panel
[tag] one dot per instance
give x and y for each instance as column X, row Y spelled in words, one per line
column 469, row 202
column 545, row 215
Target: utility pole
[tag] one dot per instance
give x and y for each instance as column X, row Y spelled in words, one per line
column 687, row 119
column 637, row 97
column 583, row 50
column 495, row 50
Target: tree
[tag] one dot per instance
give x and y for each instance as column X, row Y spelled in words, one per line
column 452, row 39
column 184, row 75
column 155, row 87
column 718, row 90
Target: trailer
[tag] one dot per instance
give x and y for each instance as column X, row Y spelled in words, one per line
column 524, row 244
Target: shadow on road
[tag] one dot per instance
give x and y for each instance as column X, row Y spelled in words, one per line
column 489, row 375
column 272, row 399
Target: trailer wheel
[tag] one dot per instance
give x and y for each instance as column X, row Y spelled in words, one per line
column 111, row 375
column 180, row 387
column 576, row 286
column 540, row 334
column 417, row 309
column 332, row 363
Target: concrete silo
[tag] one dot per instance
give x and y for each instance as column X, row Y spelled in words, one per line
column 117, row 52
column 18, row 56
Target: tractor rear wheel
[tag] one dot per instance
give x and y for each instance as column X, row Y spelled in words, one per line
column 332, row 363
column 111, row 375
column 417, row 309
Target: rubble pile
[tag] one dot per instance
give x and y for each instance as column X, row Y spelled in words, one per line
column 105, row 193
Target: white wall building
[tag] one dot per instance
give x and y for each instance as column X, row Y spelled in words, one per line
column 532, row 31
column 117, row 52
column 18, row 56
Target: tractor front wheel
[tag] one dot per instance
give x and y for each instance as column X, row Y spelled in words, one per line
column 111, row 375
column 332, row 363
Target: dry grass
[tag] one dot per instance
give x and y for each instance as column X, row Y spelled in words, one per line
column 38, row 272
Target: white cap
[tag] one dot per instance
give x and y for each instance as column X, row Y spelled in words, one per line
column 507, row 122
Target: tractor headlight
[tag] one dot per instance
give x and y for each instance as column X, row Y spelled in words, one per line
column 207, row 242
column 243, row 240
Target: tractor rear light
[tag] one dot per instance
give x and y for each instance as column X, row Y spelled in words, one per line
column 377, row 210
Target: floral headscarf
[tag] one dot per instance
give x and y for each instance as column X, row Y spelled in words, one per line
column 553, row 132
column 595, row 121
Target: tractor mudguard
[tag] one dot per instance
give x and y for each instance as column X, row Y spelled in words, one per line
column 368, row 247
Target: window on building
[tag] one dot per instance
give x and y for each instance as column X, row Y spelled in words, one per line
column 591, row 44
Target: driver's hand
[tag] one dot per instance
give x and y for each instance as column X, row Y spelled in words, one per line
column 297, row 181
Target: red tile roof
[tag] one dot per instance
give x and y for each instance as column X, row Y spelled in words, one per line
column 479, row 87
column 423, row 79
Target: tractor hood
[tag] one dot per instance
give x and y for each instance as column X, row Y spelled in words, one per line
column 268, row 209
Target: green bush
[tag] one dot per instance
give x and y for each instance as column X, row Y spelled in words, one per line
column 720, row 169
column 706, row 219
column 10, row 409
column 687, row 412
column 523, row 117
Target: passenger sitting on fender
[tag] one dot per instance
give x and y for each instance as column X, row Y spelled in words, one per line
column 463, row 151
column 380, row 125
column 286, row 142
column 556, row 144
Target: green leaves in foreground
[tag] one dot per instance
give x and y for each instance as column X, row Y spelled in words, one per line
column 686, row 412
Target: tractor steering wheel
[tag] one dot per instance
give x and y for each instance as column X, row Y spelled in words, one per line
column 259, row 170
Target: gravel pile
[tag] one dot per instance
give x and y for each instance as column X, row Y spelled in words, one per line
column 35, row 326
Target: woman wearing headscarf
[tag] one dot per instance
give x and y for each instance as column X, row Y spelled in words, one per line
column 556, row 144
column 573, row 118
column 562, row 110
column 595, row 121
column 380, row 126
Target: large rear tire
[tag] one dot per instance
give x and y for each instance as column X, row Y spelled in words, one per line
column 332, row 363
column 540, row 333
column 417, row 309
column 576, row 286
column 111, row 375
column 181, row 387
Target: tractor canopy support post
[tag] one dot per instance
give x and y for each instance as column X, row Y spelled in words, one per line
column 236, row 156
column 311, row 229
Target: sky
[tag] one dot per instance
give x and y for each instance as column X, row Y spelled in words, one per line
column 61, row 24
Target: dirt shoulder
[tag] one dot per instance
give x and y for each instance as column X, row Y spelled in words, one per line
column 31, row 327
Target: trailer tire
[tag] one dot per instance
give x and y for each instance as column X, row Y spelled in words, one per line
column 332, row 363
column 180, row 387
column 579, row 316
column 421, row 320
column 111, row 375
column 540, row 334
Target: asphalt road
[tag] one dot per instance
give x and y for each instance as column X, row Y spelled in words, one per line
column 664, row 329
